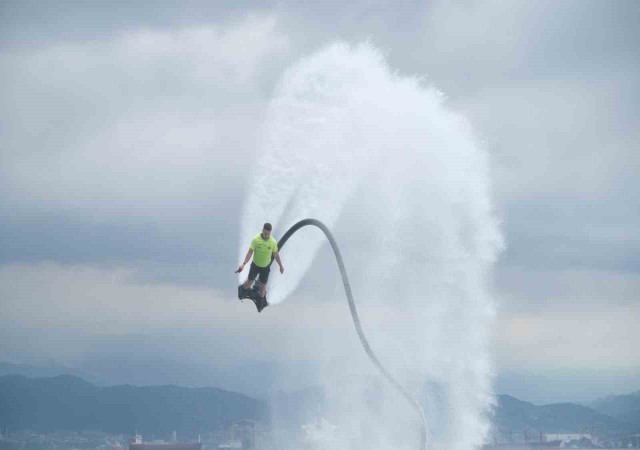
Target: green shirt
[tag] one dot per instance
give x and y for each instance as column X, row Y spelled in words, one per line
column 262, row 250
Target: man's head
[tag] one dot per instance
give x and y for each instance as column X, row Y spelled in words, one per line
column 266, row 231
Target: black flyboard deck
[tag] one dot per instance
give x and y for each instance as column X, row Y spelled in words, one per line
column 253, row 295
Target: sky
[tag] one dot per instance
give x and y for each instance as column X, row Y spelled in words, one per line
column 127, row 135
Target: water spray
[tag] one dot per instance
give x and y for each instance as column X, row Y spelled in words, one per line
column 356, row 319
column 350, row 141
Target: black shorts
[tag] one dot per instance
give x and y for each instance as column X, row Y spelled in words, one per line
column 262, row 271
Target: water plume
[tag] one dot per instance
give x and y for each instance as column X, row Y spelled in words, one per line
column 404, row 185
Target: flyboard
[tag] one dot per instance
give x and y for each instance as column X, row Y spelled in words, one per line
column 253, row 294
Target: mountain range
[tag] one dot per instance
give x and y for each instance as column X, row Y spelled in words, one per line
column 517, row 415
column 68, row 402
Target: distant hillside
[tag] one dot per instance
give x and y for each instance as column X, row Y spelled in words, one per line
column 517, row 415
column 52, row 370
column 625, row 408
column 70, row 403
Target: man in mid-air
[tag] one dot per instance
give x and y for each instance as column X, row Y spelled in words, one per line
column 263, row 247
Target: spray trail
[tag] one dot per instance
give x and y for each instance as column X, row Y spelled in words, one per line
column 403, row 184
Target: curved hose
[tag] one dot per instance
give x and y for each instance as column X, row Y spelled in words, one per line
column 356, row 320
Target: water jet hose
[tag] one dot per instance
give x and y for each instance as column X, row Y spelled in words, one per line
column 356, row 320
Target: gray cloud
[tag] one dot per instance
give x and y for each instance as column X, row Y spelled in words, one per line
column 533, row 83
column 132, row 149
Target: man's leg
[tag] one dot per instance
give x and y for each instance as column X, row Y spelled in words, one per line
column 264, row 279
column 253, row 273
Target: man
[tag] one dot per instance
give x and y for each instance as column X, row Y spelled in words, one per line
column 263, row 246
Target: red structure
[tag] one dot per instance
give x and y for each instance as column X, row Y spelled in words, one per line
column 137, row 444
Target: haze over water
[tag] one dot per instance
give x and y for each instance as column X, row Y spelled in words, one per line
column 380, row 157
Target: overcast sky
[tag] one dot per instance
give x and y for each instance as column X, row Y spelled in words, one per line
column 115, row 253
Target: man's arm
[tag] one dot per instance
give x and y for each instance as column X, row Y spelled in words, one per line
column 246, row 260
column 276, row 255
